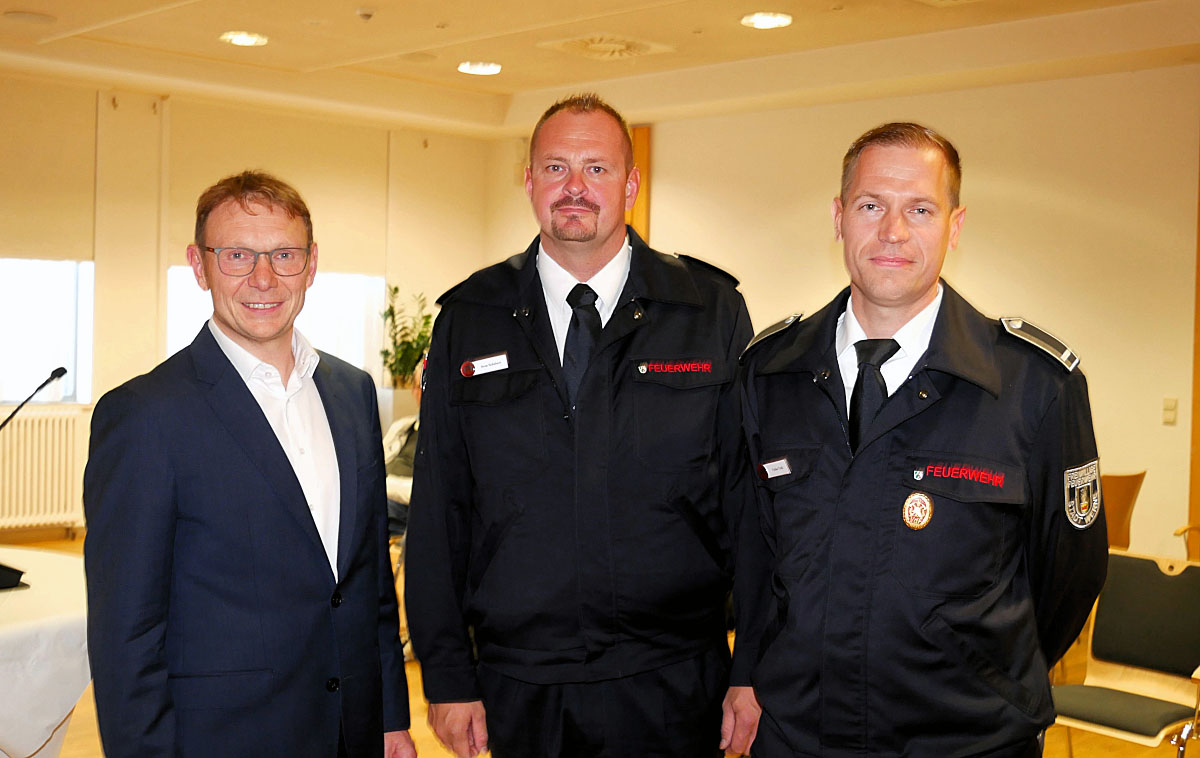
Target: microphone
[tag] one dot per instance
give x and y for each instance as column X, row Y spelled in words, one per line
column 57, row 373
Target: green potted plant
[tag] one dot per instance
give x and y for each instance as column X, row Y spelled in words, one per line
column 407, row 336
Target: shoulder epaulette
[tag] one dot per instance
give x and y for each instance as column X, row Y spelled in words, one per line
column 1019, row 327
column 708, row 267
column 774, row 329
column 446, row 295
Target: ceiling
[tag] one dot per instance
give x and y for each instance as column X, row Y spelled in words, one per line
column 395, row 60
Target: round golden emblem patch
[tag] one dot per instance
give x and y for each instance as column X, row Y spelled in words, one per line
column 918, row 510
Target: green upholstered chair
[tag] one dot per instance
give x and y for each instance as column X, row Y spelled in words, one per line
column 1143, row 670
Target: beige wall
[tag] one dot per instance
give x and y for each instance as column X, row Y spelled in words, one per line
column 129, row 304
column 1081, row 197
column 511, row 225
column 437, row 211
column 340, row 169
column 113, row 177
column 47, row 163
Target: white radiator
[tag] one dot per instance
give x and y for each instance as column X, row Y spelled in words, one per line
column 42, row 454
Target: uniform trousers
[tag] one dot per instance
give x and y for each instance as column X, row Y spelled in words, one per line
column 770, row 743
column 670, row 712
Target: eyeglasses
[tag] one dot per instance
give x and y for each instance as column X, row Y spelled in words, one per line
column 239, row 261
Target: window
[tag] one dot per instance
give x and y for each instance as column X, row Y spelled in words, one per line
column 46, row 310
column 341, row 315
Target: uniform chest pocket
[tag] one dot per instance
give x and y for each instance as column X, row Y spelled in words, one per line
column 675, row 406
column 958, row 522
column 503, row 423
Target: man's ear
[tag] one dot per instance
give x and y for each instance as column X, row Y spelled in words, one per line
column 195, row 257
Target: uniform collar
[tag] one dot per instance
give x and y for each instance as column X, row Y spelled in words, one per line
column 515, row 283
column 607, row 283
column 655, row 276
column 963, row 342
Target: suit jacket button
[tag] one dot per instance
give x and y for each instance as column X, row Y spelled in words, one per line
column 332, row 684
column 336, row 600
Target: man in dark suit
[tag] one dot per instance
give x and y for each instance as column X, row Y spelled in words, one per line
column 240, row 594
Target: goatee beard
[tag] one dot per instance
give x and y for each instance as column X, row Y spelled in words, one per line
column 572, row 232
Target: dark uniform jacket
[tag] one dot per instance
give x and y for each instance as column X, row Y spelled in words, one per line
column 576, row 547
column 889, row 639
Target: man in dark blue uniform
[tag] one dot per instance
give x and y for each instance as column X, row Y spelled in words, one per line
column 578, row 482
column 929, row 492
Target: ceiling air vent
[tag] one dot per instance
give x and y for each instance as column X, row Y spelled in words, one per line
column 606, row 47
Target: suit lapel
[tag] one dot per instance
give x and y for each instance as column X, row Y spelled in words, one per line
column 341, row 414
column 238, row 411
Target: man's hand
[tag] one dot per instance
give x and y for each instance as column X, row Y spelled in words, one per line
column 461, row 727
column 398, row 745
column 739, row 720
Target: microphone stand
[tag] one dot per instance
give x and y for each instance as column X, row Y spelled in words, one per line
column 57, row 373
column 10, row 577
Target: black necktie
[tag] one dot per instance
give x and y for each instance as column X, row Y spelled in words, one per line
column 581, row 337
column 870, row 389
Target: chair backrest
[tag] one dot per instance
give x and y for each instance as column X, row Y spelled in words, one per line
column 1148, row 618
column 1120, row 493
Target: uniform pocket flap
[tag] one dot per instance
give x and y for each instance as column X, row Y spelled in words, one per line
column 680, row 373
column 968, row 479
column 493, row 389
column 780, row 468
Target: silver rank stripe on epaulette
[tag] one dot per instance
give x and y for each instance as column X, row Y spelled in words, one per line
column 1035, row 335
column 774, row 329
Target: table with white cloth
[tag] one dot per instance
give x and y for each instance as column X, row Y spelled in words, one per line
column 43, row 651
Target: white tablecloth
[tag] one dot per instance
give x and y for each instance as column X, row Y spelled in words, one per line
column 43, row 647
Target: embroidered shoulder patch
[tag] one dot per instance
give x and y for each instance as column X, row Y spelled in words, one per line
column 1081, row 487
column 1034, row 335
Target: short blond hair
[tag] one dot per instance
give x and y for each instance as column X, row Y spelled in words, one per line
column 584, row 102
column 904, row 134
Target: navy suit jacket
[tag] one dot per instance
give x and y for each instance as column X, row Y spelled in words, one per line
column 215, row 625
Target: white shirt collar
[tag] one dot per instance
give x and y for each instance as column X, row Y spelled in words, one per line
column 913, row 337
column 248, row 365
column 608, row 282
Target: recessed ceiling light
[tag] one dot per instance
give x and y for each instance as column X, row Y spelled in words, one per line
column 765, row 20
column 30, row 17
column 479, row 68
column 244, row 39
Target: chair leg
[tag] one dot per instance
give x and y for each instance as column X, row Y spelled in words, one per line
column 1189, row 730
column 1181, row 738
column 1070, row 746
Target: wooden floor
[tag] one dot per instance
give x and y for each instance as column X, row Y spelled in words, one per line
column 83, row 740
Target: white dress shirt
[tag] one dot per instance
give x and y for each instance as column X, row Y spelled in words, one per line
column 913, row 338
column 297, row 416
column 557, row 283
